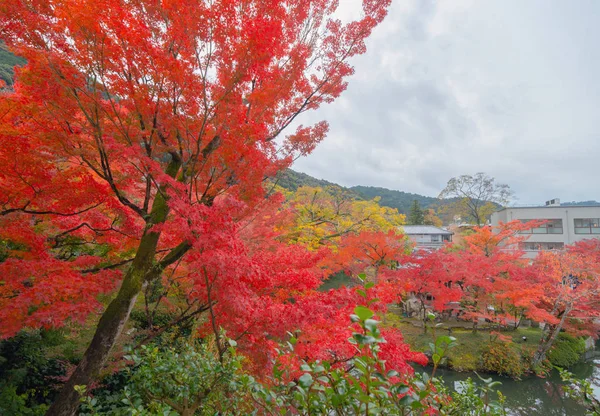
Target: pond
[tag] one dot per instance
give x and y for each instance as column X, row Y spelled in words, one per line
column 537, row 396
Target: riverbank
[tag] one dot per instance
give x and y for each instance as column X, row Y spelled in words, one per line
column 534, row 396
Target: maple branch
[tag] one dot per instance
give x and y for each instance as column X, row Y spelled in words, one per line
column 168, row 325
column 212, row 315
column 115, row 265
column 34, row 212
column 174, row 255
column 97, row 231
column 318, row 88
column 110, row 266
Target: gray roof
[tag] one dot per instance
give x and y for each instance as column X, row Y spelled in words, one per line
column 563, row 206
column 424, row 229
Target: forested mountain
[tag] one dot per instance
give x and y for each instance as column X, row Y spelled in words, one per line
column 395, row 199
column 575, row 203
column 7, row 63
column 402, row 201
column 292, row 180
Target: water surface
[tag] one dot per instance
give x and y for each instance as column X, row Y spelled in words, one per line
column 537, row 396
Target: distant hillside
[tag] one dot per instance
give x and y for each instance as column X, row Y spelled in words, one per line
column 402, row 201
column 7, row 62
column 395, row 199
column 588, row 203
column 292, row 180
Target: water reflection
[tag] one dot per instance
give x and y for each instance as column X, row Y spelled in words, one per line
column 537, row 396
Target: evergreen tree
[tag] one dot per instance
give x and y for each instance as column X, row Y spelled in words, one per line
column 416, row 216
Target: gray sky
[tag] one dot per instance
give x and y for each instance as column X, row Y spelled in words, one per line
column 454, row 87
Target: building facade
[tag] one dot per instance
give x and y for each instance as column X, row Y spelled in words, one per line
column 565, row 225
column 427, row 236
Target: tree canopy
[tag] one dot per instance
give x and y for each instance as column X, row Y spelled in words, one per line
column 139, row 135
column 477, row 196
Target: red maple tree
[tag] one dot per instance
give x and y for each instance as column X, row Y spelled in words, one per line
column 129, row 123
column 491, row 272
column 570, row 282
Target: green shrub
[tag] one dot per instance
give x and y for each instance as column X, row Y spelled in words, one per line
column 501, row 358
column 464, row 362
column 194, row 379
column 189, row 379
column 566, row 350
column 337, row 280
column 27, row 376
column 160, row 318
column 12, row 403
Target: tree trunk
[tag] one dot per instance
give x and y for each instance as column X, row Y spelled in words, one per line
column 545, row 342
column 108, row 330
column 424, row 317
column 115, row 316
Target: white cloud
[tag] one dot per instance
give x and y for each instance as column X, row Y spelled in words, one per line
column 452, row 87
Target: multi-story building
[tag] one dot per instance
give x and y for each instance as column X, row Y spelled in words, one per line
column 565, row 224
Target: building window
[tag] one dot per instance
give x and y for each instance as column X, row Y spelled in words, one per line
column 551, row 226
column 531, row 246
column 435, row 238
column 587, row 226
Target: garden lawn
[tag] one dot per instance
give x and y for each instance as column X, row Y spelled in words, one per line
column 467, row 355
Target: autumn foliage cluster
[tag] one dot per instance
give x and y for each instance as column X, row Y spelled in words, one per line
column 487, row 280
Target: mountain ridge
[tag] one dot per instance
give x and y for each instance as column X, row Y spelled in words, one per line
column 292, row 180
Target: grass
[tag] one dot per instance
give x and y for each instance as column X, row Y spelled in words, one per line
column 467, row 355
column 338, row 280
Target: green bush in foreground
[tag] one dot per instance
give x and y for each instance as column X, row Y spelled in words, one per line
column 580, row 391
column 193, row 380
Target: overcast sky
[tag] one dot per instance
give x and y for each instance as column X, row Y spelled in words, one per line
column 455, row 87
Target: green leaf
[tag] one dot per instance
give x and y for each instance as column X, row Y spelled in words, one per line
column 364, row 398
column 406, row 401
column 371, row 324
column 400, row 389
column 369, row 285
column 363, row 313
column 372, row 301
column 305, row 380
column 362, row 339
column 362, row 293
column 443, row 339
